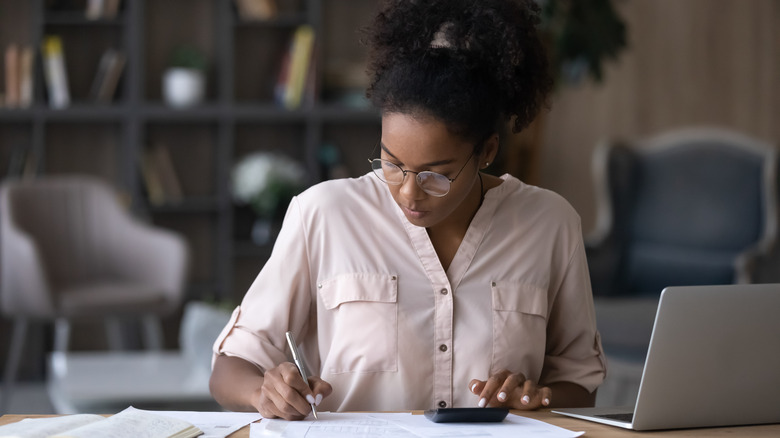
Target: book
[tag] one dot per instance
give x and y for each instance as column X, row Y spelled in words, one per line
column 94, row 10
column 104, row 85
column 159, row 176
column 168, row 176
column 16, row 162
column 106, row 59
column 295, row 68
column 55, row 73
column 12, row 76
column 26, row 70
column 18, row 76
column 257, row 9
column 101, row 9
column 110, row 9
column 130, row 423
column 151, row 180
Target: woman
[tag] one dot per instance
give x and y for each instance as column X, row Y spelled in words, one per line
column 426, row 283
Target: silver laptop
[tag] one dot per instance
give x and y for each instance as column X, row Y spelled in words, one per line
column 713, row 360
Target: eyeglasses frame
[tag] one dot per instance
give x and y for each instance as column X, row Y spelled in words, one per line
column 417, row 173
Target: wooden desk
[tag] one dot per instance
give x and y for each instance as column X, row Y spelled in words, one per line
column 592, row 430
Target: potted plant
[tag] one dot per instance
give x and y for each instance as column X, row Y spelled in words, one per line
column 184, row 81
column 581, row 36
column 266, row 182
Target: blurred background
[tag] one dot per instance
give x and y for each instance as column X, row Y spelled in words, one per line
column 178, row 106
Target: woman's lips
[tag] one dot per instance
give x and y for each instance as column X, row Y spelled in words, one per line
column 414, row 214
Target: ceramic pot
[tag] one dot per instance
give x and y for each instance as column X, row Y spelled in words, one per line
column 183, row 87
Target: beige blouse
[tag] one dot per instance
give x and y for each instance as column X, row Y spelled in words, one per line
column 380, row 319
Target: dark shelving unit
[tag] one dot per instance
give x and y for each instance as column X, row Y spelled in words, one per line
column 238, row 115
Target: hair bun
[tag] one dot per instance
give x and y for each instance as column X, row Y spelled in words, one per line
column 491, row 45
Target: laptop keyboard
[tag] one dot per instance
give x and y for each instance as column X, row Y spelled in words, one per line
column 627, row 417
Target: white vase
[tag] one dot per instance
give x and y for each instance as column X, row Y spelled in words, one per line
column 183, row 87
column 200, row 325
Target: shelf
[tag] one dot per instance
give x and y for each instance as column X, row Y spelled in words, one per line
column 267, row 111
column 162, row 112
column 17, row 114
column 83, row 112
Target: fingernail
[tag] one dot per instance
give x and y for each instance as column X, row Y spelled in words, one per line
column 526, row 399
column 482, row 402
column 473, row 386
column 502, row 396
column 546, row 401
column 310, row 399
column 318, row 400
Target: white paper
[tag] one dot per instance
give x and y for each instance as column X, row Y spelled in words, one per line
column 403, row 425
column 214, row 424
column 512, row 426
column 330, row 425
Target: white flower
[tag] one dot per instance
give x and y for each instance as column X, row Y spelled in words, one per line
column 263, row 179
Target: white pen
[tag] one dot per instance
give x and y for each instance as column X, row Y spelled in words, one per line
column 298, row 359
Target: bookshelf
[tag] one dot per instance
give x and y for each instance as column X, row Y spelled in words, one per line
column 237, row 116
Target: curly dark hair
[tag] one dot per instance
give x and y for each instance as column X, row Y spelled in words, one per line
column 473, row 64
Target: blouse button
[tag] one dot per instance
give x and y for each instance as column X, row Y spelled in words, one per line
column 393, row 278
column 493, row 283
column 442, row 404
column 443, row 291
column 443, row 347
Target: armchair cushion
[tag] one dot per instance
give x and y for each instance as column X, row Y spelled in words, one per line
column 111, row 297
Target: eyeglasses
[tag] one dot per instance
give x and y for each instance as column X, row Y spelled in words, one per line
column 432, row 183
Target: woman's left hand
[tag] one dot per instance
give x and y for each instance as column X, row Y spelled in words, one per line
column 510, row 390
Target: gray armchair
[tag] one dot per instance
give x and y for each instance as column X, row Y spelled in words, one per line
column 69, row 251
column 687, row 207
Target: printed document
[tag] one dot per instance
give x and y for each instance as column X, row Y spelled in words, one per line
column 403, row 425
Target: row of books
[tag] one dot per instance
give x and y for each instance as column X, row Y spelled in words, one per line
column 19, row 74
column 295, row 85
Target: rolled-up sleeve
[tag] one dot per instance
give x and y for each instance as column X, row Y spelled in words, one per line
column 574, row 352
column 277, row 301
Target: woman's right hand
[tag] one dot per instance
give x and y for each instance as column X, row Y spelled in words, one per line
column 284, row 394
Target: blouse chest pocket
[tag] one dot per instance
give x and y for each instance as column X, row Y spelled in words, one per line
column 359, row 322
column 519, row 327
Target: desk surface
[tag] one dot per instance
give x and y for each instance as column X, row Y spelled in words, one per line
column 592, row 430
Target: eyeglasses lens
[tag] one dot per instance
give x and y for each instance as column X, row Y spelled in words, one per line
column 431, row 183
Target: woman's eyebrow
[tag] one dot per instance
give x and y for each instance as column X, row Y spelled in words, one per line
column 431, row 164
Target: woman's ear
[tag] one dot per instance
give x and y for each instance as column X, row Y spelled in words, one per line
column 489, row 151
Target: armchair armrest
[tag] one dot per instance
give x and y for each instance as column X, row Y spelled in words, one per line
column 24, row 288
column 603, row 257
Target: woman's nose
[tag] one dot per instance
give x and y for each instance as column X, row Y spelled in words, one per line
column 410, row 189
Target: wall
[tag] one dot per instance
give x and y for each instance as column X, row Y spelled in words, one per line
column 692, row 62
